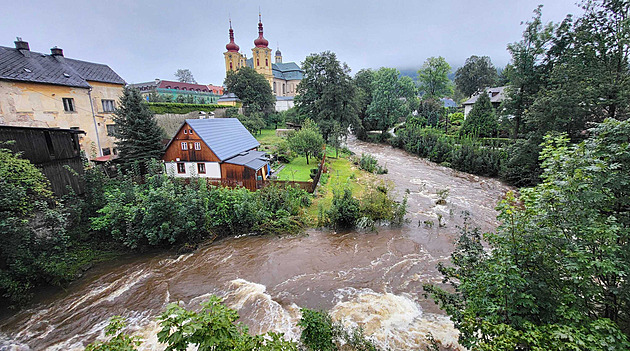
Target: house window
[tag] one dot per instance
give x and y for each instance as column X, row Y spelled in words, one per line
column 111, row 130
column 185, row 131
column 201, row 168
column 184, row 146
column 181, row 167
column 68, row 104
column 108, row 105
column 190, row 131
column 197, row 146
column 106, row 151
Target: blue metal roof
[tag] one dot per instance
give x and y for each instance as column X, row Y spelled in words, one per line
column 226, row 137
column 252, row 159
column 446, row 102
column 287, row 71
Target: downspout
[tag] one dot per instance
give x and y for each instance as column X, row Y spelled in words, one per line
column 98, row 140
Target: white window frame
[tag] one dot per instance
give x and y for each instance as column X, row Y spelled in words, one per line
column 108, row 105
column 197, row 145
column 184, row 146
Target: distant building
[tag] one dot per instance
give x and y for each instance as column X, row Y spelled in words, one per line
column 229, row 99
column 497, row 96
column 448, row 102
column 283, row 77
column 56, row 152
column 53, row 91
column 171, row 91
column 215, row 89
column 219, row 148
column 284, row 103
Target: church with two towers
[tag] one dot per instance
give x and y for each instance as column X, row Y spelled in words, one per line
column 283, row 77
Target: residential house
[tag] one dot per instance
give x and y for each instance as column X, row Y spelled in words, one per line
column 171, row 91
column 218, row 148
column 53, row 91
column 54, row 151
column 497, row 95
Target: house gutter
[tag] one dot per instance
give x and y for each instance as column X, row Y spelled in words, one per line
column 98, row 140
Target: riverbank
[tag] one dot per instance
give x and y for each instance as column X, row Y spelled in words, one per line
column 373, row 279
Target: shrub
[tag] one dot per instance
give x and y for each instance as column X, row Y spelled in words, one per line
column 318, row 330
column 369, row 163
column 180, row 108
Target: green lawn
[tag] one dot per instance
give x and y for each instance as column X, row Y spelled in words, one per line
column 268, row 139
column 298, row 170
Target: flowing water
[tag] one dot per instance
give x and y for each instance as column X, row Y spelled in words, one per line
column 368, row 279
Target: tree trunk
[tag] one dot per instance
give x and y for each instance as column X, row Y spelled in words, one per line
column 307, row 158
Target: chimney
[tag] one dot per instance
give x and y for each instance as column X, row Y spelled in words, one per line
column 21, row 44
column 56, row 51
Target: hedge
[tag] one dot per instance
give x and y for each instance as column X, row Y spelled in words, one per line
column 179, row 108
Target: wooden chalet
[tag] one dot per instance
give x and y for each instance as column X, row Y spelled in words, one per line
column 221, row 149
column 56, row 152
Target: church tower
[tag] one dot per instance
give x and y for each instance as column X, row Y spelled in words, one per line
column 261, row 54
column 278, row 56
column 233, row 59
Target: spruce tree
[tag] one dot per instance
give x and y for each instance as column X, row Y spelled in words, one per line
column 482, row 120
column 139, row 136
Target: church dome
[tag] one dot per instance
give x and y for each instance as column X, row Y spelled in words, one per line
column 278, row 53
column 231, row 46
column 261, row 42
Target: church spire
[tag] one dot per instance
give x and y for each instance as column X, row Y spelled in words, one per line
column 260, row 42
column 231, row 46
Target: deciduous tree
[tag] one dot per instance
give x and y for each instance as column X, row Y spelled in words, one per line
column 252, row 88
column 433, row 77
column 185, row 76
column 391, row 95
column 326, row 94
column 475, row 75
column 307, row 141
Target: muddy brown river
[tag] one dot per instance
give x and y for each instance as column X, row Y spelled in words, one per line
column 368, row 279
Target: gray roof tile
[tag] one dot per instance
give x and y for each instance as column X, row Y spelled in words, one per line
column 226, row 137
column 39, row 68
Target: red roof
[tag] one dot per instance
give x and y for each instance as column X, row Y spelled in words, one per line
column 168, row 84
column 105, row 158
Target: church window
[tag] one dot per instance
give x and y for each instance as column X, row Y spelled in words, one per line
column 230, row 65
column 257, row 62
column 266, row 62
column 284, row 90
column 274, row 87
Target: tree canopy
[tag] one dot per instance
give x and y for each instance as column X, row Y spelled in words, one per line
column 555, row 276
column 307, row 141
column 185, row 76
column 252, row 88
column 475, row 75
column 433, row 77
column 391, row 95
column 326, row 94
column 139, row 136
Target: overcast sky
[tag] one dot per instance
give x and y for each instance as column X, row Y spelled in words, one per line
column 144, row 40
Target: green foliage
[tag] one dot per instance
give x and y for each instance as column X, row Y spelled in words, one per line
column 318, row 330
column 33, row 224
column 180, row 108
column 375, row 206
column 185, row 76
column 139, row 136
column 326, row 95
column 433, row 77
column 465, row 154
column 369, row 163
column 213, row 328
column 252, row 88
column 363, row 81
column 555, row 274
column 163, row 211
column 254, row 122
column 475, row 75
column 391, row 98
column 307, row 141
column 118, row 341
column 482, row 120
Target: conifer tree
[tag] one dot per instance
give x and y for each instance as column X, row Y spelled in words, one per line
column 138, row 134
column 482, row 120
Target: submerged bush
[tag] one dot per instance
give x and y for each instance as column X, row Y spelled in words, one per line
column 376, row 206
column 369, row 163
